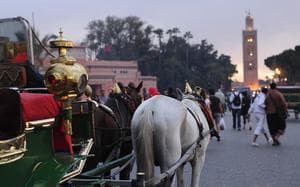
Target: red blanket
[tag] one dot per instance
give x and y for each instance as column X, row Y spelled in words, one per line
column 43, row 106
column 38, row 106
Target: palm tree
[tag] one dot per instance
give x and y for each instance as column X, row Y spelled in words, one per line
column 173, row 31
column 159, row 33
column 187, row 36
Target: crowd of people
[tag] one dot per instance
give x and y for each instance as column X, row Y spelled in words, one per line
column 268, row 106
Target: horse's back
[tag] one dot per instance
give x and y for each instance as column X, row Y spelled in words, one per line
column 161, row 110
column 163, row 129
column 160, row 122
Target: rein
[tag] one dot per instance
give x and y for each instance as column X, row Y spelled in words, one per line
column 157, row 179
column 198, row 123
column 121, row 124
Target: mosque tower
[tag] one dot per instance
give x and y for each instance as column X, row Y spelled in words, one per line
column 250, row 54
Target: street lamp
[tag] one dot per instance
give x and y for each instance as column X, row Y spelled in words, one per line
column 277, row 74
column 277, row 71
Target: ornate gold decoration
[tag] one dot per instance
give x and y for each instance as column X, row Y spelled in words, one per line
column 12, row 75
column 66, row 79
column 188, row 89
column 62, row 45
column 12, row 149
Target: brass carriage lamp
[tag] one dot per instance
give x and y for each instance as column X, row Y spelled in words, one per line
column 65, row 78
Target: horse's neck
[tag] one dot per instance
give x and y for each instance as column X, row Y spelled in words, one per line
column 121, row 111
column 194, row 106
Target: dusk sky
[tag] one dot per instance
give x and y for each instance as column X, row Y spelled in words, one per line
column 220, row 22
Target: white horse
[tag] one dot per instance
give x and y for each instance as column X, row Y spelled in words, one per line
column 162, row 131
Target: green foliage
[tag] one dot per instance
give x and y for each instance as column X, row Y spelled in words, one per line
column 173, row 60
column 288, row 62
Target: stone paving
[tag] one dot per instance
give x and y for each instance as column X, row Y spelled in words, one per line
column 233, row 162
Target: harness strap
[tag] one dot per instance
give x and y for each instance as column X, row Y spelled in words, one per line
column 198, row 124
column 109, row 111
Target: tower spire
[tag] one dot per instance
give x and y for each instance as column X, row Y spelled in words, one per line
column 250, row 60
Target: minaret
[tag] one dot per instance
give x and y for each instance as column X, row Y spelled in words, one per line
column 250, row 54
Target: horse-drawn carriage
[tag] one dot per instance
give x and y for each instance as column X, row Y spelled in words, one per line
column 48, row 137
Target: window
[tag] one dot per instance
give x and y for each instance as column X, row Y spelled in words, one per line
column 251, row 66
column 123, row 72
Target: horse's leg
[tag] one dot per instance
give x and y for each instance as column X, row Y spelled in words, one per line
column 169, row 154
column 125, row 150
column 198, row 162
column 179, row 175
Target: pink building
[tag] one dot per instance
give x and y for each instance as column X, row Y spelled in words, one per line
column 103, row 74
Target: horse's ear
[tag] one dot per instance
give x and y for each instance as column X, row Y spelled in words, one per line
column 116, row 89
column 179, row 94
column 139, row 87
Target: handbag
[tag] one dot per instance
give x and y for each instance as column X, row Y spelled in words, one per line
column 222, row 124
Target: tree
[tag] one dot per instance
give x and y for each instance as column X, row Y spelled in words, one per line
column 173, row 61
column 288, row 62
column 187, row 36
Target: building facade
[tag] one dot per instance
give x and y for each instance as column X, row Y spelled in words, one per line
column 103, row 74
column 250, row 60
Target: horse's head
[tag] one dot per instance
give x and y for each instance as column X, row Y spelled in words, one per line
column 124, row 100
column 185, row 95
column 133, row 93
column 197, row 93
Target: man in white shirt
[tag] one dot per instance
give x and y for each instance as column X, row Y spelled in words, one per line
column 258, row 108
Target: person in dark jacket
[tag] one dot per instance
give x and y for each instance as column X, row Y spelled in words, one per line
column 170, row 93
column 216, row 108
column 246, row 103
column 276, row 109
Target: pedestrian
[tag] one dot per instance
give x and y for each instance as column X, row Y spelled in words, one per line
column 170, row 93
column 152, row 91
column 204, row 104
column 102, row 98
column 246, row 102
column 221, row 96
column 276, row 109
column 258, row 108
column 205, row 98
column 236, row 106
column 216, row 109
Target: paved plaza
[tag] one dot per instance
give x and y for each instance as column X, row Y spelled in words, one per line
column 233, row 162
